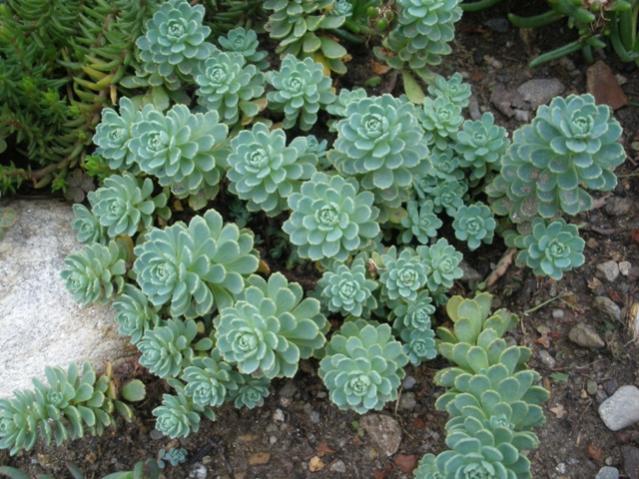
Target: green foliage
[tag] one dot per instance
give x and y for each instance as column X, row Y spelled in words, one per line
column 419, row 344
column 228, row 86
column 475, row 225
column 446, row 195
column 265, row 171
column 174, row 456
column 403, row 274
column 113, row 134
column 442, row 261
column 251, row 392
column 441, row 119
column 481, row 145
column 71, row 404
column 301, row 89
column 86, row 225
column 270, row 328
column 178, row 417
column 551, row 249
column 133, row 313
column 339, row 106
column 346, row 289
column 244, row 41
column 209, row 381
column 362, row 369
column 95, row 273
column 194, row 269
column 454, row 89
column 330, row 218
column 412, row 323
column 420, row 222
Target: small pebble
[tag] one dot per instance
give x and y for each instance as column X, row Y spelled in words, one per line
column 607, row 472
column 499, row 25
column 561, row 468
column 621, row 409
column 278, row 415
column 288, row 390
column 384, row 431
column 539, row 91
column 608, row 307
column 198, row 471
column 610, row 386
column 547, row 359
column 407, row 401
column 591, row 387
column 610, row 270
column 272, row 440
column 631, row 461
column 315, row 417
column 409, row 383
column 156, row 435
column 338, row 466
column 585, row 336
column 557, row 313
column 473, row 108
column 522, row 116
column 625, row 267
column 493, row 62
column 618, row 206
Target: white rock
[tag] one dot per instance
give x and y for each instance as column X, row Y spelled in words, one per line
column 608, row 472
column 40, row 323
column 610, row 270
column 621, row 409
column 539, row 91
column 625, row 267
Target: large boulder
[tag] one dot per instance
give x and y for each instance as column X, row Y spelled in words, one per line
column 40, row 324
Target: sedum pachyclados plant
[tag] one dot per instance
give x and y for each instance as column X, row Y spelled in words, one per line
column 174, row 42
column 475, row 225
column 178, row 416
column 420, row 222
column 72, row 403
column 363, row 366
column 270, row 328
column 113, row 134
column 124, row 205
column 244, row 41
column 227, row 85
column 330, row 218
column 133, row 313
column 454, row 89
column 412, row 323
column 86, row 225
column 347, row 289
column 196, row 268
column 300, row 90
column 441, row 119
column 265, row 171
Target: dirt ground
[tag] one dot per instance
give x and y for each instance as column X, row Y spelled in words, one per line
column 299, row 434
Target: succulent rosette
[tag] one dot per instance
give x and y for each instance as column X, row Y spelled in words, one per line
column 453, row 88
column 330, row 218
column 474, row 224
column 480, row 145
column 414, row 314
column 86, row 226
column 113, row 134
column 441, row 119
column 208, row 381
column 177, row 417
column 338, row 107
column 403, row 274
column 244, row 41
column 442, row 261
column 270, row 328
column 446, row 195
column 133, row 313
column 250, row 392
column 420, row 222
column 419, row 344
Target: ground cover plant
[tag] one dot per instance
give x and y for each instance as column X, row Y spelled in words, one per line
column 379, row 197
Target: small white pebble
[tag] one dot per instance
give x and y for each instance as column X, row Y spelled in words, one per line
column 624, row 267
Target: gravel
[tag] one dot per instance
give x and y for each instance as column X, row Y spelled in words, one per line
column 621, row 409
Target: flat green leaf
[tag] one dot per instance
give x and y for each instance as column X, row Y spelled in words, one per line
column 413, row 90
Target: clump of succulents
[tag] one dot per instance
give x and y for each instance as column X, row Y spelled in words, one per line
column 244, row 41
column 194, row 268
column 269, row 328
column 228, row 86
column 441, row 119
column 363, row 366
column 300, row 90
column 347, row 289
column 133, row 313
column 174, row 42
column 209, row 381
column 446, row 195
column 265, row 171
column 442, row 261
column 480, row 145
column 95, row 273
column 420, row 222
column 178, row 416
column 403, row 273
column 454, row 89
column 86, row 226
column 123, row 204
column 342, row 100
column 251, row 391
column 330, row 218
column 113, row 134
column 475, row 225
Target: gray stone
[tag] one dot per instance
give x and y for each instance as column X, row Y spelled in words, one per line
column 585, row 336
column 621, row 409
column 338, row 466
column 591, row 387
column 608, row 472
column 384, row 432
column 278, row 415
column 631, row 461
column 407, row 401
column 540, row 91
column 198, row 471
column 499, row 25
column 617, row 206
column 315, row 417
column 547, row 359
column 409, row 383
column 625, row 267
column 558, row 313
column 40, row 323
column 470, row 274
column 610, row 270
column 473, row 108
column 608, row 307
column 288, row 390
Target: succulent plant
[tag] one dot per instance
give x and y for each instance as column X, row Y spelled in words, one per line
column 453, row 89
column 420, row 39
column 419, row 344
column 113, row 134
column 270, row 328
column 380, row 142
column 197, row 268
column 551, row 249
column 346, row 289
column 174, row 41
column 415, row 314
column 174, row 456
column 475, row 225
column 183, row 150
column 301, row 28
column 300, row 90
column 244, row 41
column 446, row 195
column 95, row 273
column 86, row 226
column 572, row 145
column 403, row 274
column 73, row 402
column 209, row 381
column 363, row 366
column 480, row 145
column 330, row 218
column 445, row 165
column 177, row 417
column 227, row 85
column 442, row 261
column 265, row 171
column 133, row 313
column 124, row 205
column 420, row 222
column 441, row 119
column 251, row 391
column 339, row 106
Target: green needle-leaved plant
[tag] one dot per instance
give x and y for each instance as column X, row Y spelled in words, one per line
column 244, row 41
column 228, row 86
column 174, row 42
column 381, row 143
column 403, row 274
column 251, row 391
column 420, row 222
column 208, row 381
column 300, row 90
column 347, row 289
column 330, row 218
column 453, row 88
column 265, row 171
column 270, row 328
column 113, row 134
column 183, row 150
column 123, row 204
column 441, row 119
column 363, row 366
column 571, row 146
column 95, row 273
column 475, row 225
column 86, row 226
column 551, row 249
column 194, row 269
column 480, row 145
column 133, row 313
column 170, row 347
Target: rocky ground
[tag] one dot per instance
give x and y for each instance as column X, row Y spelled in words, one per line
column 581, row 329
